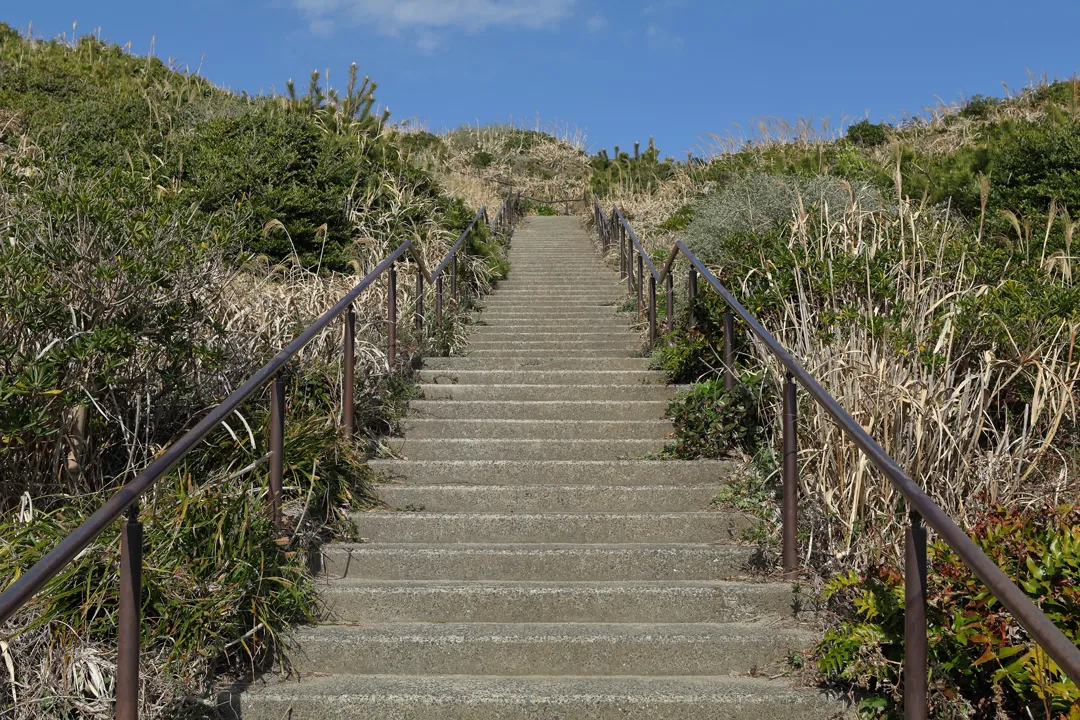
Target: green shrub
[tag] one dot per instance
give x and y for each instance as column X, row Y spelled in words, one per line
column 978, row 107
column 680, row 220
column 711, row 421
column 979, row 657
column 481, row 159
column 867, row 134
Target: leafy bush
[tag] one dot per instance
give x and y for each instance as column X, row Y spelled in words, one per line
column 980, row 659
column 867, row 134
column 978, row 107
column 711, row 421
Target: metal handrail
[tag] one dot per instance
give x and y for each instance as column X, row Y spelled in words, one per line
column 126, row 498
column 921, row 506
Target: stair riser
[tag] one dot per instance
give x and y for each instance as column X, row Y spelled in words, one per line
column 389, row 527
column 365, row 705
column 510, row 657
column 567, row 354
column 540, row 377
column 471, row 363
column 446, row 449
column 538, row 410
column 549, row 498
column 420, row 429
column 509, row 393
column 581, row 563
column 632, row 473
column 548, row 604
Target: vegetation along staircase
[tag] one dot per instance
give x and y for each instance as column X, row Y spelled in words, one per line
column 533, row 565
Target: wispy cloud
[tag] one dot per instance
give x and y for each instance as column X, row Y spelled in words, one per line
column 662, row 38
column 427, row 18
column 597, row 23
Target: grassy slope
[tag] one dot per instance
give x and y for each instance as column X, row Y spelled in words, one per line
column 925, row 274
column 161, row 239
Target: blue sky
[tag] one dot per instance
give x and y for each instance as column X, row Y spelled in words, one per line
column 620, row 71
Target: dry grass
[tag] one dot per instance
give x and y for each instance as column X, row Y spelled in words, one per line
column 942, row 423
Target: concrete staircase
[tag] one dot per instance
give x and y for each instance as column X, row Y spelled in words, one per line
column 536, row 567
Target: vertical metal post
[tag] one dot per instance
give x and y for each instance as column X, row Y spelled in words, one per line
column 729, row 349
column 669, row 287
column 652, row 310
column 624, row 265
column 640, row 280
column 629, row 272
column 915, row 620
column 791, row 478
column 391, row 318
column 277, row 445
column 348, row 374
column 439, row 301
column 691, row 293
column 567, row 203
column 130, row 610
column 453, row 278
column 419, row 305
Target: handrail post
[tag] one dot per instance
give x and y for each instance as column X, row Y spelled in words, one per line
column 915, row 619
column 691, row 293
column 791, row 478
column 640, row 279
column 391, row 318
column 453, row 278
column 130, row 611
column 669, row 287
column 624, row 256
column 439, row 301
column 729, row 349
column 348, row 374
column 652, row 311
column 420, row 306
column 277, row 445
column 629, row 272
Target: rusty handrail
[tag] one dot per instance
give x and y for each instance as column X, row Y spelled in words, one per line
column 126, row 498
column 921, row 506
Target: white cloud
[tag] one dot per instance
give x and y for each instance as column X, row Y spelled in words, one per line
column 428, row 16
column 597, row 23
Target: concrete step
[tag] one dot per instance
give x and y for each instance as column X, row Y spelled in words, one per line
column 545, row 649
column 536, row 363
column 408, row 527
column 352, row 601
column 549, row 562
column 423, row 428
column 628, row 352
column 343, row 697
column 512, row 334
column 461, row 391
column 465, row 449
column 626, row 344
column 606, row 326
column 571, row 410
column 549, row 498
column 540, row 377
column 555, row 472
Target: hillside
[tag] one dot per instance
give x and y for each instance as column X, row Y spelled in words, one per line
column 163, row 237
